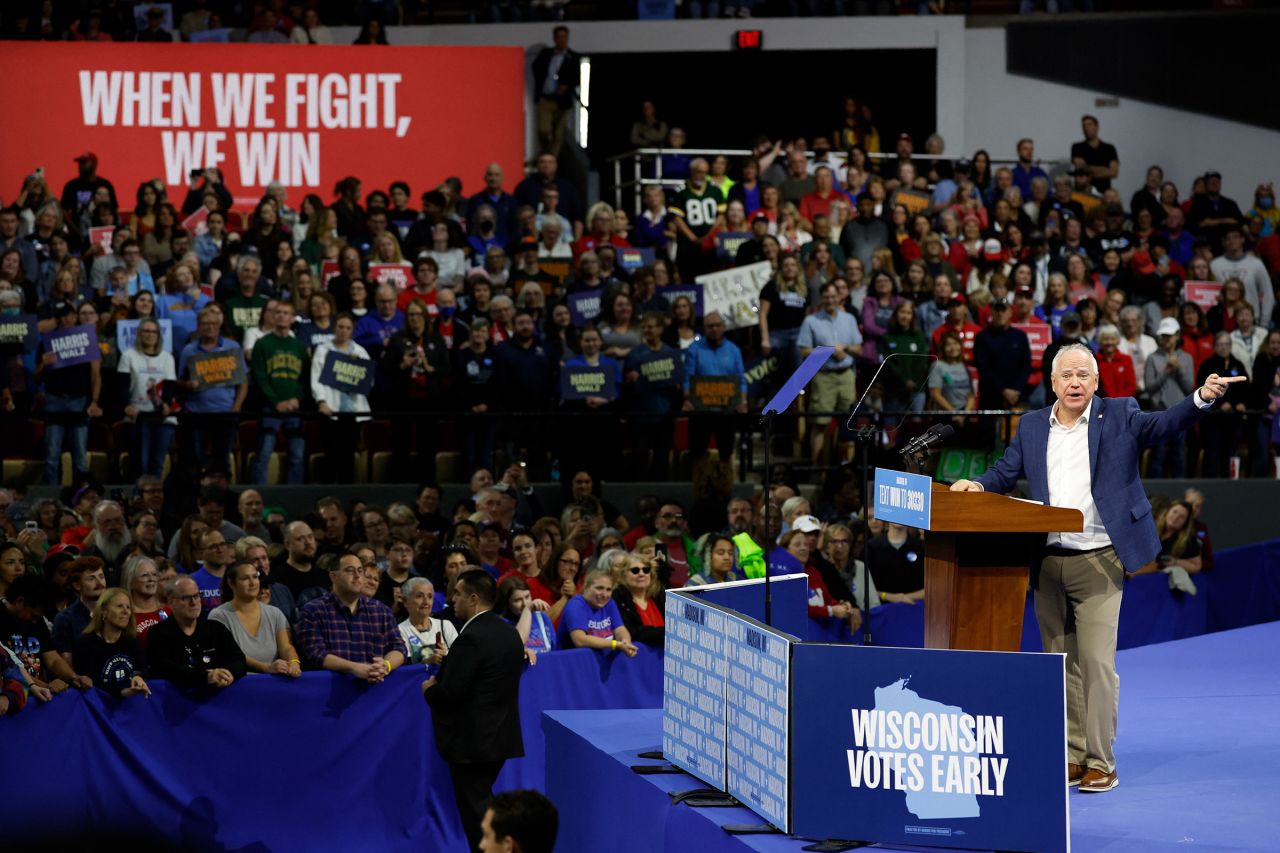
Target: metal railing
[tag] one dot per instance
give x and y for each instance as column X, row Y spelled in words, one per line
column 629, row 168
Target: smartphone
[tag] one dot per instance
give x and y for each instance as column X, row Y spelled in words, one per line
column 660, row 551
column 32, row 526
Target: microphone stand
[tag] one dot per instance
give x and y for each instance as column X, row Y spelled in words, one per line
column 867, row 437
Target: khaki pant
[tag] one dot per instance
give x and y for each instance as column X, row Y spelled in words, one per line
column 832, row 391
column 551, row 123
column 1078, row 607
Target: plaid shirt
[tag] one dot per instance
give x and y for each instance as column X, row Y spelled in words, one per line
column 326, row 627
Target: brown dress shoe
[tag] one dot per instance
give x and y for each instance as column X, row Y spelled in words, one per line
column 1075, row 772
column 1095, row 781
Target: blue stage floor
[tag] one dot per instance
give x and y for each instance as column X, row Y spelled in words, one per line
column 1198, row 756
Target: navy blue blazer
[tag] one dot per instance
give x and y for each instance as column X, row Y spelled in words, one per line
column 1117, row 433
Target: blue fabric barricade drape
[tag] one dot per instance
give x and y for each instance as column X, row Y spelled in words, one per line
column 1243, row 589
column 322, row 763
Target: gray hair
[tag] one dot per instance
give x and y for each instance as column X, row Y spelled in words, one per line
column 1070, row 348
column 245, row 543
column 790, row 504
column 501, row 300
column 171, row 588
column 103, row 505
column 1108, row 331
column 1130, row 312
column 408, row 587
column 1040, row 181
column 131, row 568
column 606, row 532
column 247, row 259
column 10, row 298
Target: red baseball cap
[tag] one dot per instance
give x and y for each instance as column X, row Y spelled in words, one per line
column 957, row 299
column 87, row 157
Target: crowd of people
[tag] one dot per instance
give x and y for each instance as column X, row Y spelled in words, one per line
column 115, row 593
column 473, row 308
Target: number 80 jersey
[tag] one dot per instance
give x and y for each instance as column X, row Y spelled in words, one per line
column 699, row 209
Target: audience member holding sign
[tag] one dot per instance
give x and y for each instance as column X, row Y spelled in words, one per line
column 341, row 376
column 70, row 365
column 145, row 367
column 213, row 371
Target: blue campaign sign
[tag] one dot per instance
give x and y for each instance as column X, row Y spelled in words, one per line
column 578, row 382
column 903, row 498
column 20, row 330
column 584, row 305
column 672, row 292
column 347, row 374
column 728, row 243
column 929, row 747
column 74, row 345
column 693, row 688
column 661, row 369
column 127, row 333
column 631, row 259
column 757, row 726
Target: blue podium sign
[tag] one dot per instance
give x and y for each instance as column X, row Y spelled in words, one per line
column 693, row 688
column 903, row 498
column 929, row 747
column 758, row 719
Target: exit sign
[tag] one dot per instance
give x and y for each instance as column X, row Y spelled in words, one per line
column 748, row 39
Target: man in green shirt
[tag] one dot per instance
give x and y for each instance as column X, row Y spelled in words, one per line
column 244, row 309
column 281, row 372
column 695, row 210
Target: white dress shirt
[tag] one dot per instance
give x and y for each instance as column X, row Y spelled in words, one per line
column 1071, row 480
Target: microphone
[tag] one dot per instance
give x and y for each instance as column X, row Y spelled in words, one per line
column 936, row 434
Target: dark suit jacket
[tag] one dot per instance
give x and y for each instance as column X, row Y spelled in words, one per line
column 569, row 74
column 475, row 702
column 1118, row 431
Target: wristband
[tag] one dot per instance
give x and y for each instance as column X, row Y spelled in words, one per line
column 881, row 594
column 388, row 663
column 294, row 660
column 613, row 644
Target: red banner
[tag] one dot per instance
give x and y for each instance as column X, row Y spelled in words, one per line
column 1202, row 293
column 304, row 115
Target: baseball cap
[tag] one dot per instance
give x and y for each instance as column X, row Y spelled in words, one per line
column 965, row 166
column 1070, row 318
column 1028, row 292
column 992, row 250
column 1168, row 326
column 806, row 524
column 1079, row 172
column 999, row 304
column 957, row 299
column 435, row 198
column 57, row 555
column 759, row 216
column 1212, row 173
column 87, row 157
column 61, row 309
column 905, row 136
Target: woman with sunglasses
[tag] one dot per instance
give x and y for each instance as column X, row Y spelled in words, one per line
column 639, row 596
column 260, row 630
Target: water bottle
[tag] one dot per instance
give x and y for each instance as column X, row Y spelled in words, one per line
column 555, row 471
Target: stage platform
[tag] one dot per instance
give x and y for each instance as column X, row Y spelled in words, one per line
column 1198, row 756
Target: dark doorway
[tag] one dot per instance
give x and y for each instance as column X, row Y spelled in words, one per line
column 723, row 100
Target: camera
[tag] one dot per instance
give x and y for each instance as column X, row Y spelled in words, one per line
column 197, row 173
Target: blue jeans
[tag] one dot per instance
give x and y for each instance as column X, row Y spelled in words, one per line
column 69, row 419
column 217, row 433
column 151, row 446
column 267, row 445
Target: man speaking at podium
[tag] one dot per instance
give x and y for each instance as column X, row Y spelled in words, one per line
column 1080, row 577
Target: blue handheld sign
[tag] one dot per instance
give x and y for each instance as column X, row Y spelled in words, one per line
column 903, row 498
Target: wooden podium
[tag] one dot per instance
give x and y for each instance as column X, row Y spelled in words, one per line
column 977, row 554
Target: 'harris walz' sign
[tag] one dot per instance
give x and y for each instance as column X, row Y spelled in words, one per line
column 76, row 345
column 217, row 369
column 20, row 329
column 579, row 382
column 715, row 393
column 346, row 373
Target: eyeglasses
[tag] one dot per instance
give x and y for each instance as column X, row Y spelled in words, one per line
column 640, row 570
column 844, row 542
column 187, row 599
column 675, row 516
column 565, row 561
